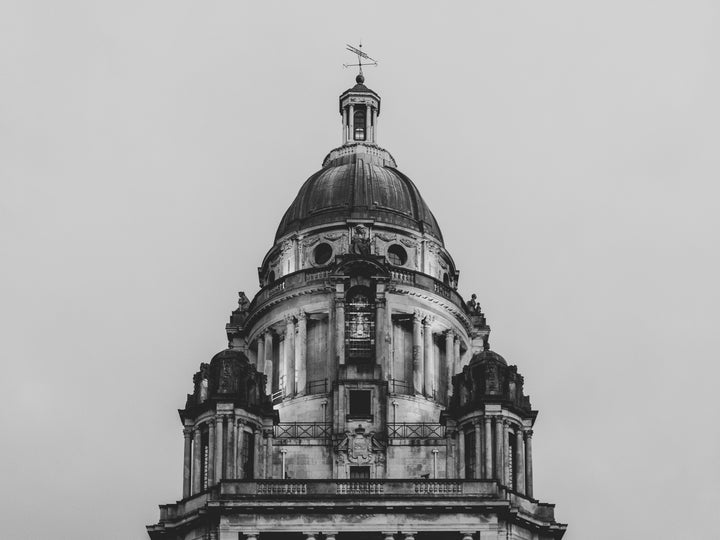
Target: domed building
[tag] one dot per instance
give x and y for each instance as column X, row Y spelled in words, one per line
column 358, row 397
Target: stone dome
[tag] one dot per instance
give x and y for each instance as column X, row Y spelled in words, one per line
column 359, row 184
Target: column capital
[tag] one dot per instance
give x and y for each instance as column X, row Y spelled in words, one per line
column 250, row 535
column 289, row 319
column 435, row 451
column 528, row 433
column 188, row 432
column 428, row 320
column 477, row 422
column 488, row 419
column 301, row 315
column 409, row 535
column 418, row 315
column 506, row 423
column 283, row 450
column 389, row 535
column 449, row 333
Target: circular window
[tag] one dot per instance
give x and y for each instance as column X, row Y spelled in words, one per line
column 322, row 253
column 396, row 255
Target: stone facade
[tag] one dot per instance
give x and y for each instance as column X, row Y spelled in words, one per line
column 358, row 394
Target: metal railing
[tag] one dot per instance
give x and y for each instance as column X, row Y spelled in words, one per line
column 400, row 387
column 416, row 430
column 302, row 430
column 319, row 386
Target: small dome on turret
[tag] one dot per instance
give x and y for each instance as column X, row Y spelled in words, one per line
column 487, row 356
column 229, row 376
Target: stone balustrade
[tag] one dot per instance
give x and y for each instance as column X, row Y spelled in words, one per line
column 312, row 275
column 367, row 488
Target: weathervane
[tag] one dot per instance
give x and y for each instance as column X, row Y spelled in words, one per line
column 360, row 55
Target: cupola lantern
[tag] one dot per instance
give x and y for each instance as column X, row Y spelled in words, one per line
column 359, row 108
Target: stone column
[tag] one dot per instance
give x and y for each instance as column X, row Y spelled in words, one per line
column 267, row 455
column 340, row 324
column 351, row 122
column 380, row 357
column 499, row 458
column 456, row 354
column 418, row 376
column 449, row 362
column 269, row 362
column 435, row 453
column 428, row 364
column 488, row 448
column 528, row 464
column 461, row 453
column 229, row 448
column 478, row 446
column 300, row 357
column 290, row 355
column 261, row 353
column 187, row 462
column 219, row 448
column 211, row 457
column 519, row 461
column 197, row 461
column 239, row 436
column 283, row 451
column 507, row 458
column 368, row 123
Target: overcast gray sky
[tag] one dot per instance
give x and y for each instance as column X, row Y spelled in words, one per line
column 569, row 151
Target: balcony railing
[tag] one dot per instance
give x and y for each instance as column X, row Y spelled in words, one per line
column 419, row 430
column 301, row 430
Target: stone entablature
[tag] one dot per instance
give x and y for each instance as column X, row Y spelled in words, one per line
column 457, row 508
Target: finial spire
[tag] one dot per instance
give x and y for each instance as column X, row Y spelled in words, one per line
column 360, row 55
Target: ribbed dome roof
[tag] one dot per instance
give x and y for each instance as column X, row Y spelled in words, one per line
column 359, row 186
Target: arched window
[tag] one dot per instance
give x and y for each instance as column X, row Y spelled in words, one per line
column 359, row 325
column 359, row 124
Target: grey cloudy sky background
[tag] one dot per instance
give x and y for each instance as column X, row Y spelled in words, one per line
column 569, row 152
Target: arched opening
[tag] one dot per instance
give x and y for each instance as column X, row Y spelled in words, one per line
column 271, row 277
column 359, row 325
column 359, row 124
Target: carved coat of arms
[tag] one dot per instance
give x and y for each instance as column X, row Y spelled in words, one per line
column 360, row 447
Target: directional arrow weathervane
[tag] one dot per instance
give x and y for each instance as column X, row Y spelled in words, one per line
column 360, row 55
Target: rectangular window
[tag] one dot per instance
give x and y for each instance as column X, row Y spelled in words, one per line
column 360, row 403
column 359, row 473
